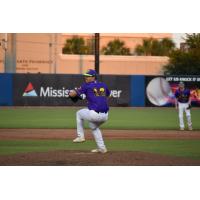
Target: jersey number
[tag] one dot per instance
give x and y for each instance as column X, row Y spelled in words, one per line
column 99, row 91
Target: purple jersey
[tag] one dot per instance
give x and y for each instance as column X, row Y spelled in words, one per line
column 96, row 95
column 182, row 96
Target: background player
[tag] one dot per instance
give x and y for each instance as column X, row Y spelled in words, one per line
column 183, row 103
column 97, row 112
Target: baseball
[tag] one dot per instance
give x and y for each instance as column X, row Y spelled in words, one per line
column 158, row 91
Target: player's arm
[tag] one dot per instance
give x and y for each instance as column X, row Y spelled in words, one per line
column 176, row 99
column 80, row 92
column 190, row 98
column 107, row 91
column 176, row 103
column 77, row 94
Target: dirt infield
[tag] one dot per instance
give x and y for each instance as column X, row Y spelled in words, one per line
column 84, row 158
column 108, row 134
column 77, row 158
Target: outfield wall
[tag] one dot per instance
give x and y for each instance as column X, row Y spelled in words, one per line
column 6, row 90
column 133, row 90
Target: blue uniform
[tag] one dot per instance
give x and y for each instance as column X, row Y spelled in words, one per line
column 96, row 94
column 182, row 96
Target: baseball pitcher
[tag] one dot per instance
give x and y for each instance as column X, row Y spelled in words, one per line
column 183, row 104
column 96, row 114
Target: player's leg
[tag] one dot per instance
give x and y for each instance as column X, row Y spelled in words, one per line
column 81, row 115
column 181, row 121
column 96, row 119
column 188, row 116
column 101, row 148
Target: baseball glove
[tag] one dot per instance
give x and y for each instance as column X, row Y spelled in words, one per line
column 189, row 107
column 75, row 99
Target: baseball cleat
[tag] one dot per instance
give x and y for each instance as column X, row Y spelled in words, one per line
column 99, row 150
column 181, row 129
column 190, row 128
column 79, row 139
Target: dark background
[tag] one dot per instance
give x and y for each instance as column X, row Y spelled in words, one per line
column 58, row 81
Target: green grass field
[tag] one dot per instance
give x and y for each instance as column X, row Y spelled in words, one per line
column 119, row 118
column 183, row 148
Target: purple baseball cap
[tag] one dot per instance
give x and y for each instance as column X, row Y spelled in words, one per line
column 90, row 72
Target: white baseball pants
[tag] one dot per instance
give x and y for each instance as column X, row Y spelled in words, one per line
column 182, row 108
column 95, row 120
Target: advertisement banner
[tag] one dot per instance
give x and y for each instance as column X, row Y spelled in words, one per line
column 160, row 90
column 120, row 87
column 52, row 90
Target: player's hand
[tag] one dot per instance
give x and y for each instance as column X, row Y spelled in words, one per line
column 189, row 107
column 72, row 93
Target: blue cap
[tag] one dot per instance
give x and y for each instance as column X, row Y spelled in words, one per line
column 90, row 72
